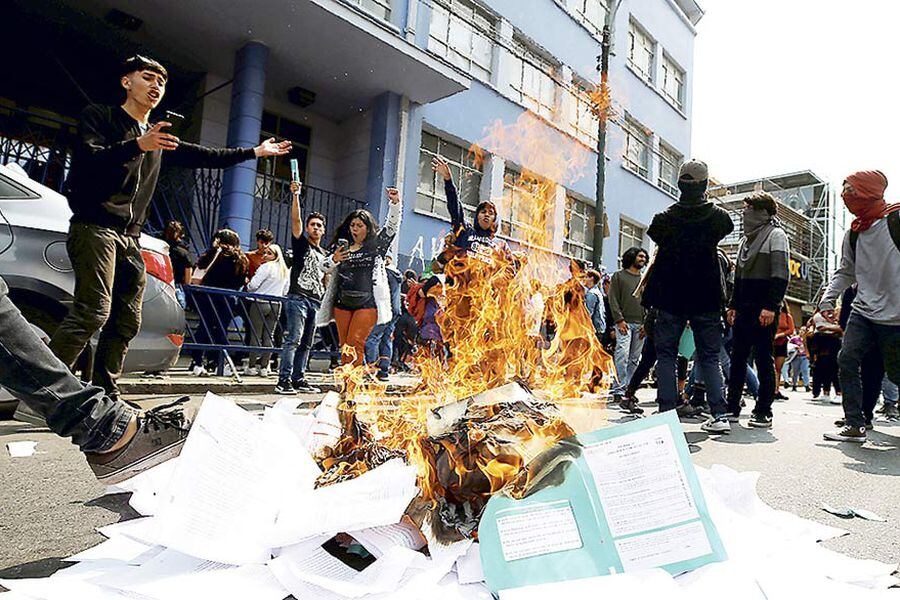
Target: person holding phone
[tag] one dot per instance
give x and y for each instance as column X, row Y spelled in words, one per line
column 358, row 294
column 115, row 168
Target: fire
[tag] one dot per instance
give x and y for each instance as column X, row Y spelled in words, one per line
column 494, row 315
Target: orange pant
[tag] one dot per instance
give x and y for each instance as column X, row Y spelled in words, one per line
column 354, row 326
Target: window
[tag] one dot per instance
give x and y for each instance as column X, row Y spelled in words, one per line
column 641, row 51
column 460, row 32
column 584, row 123
column 519, row 196
column 579, row 242
column 637, row 147
column 630, row 235
column 9, row 190
column 467, row 177
column 274, row 174
column 379, row 8
column 669, row 163
column 672, row 81
column 590, row 12
column 532, row 79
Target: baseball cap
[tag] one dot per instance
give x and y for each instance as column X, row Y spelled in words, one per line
column 693, row 170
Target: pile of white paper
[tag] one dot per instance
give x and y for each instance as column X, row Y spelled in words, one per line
column 236, row 516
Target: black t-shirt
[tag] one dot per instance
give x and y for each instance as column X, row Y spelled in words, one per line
column 228, row 271
column 306, row 269
column 355, row 276
column 181, row 259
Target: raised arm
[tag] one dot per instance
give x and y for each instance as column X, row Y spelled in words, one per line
column 392, row 221
column 296, row 217
column 454, row 206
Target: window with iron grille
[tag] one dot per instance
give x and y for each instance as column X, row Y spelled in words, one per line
column 641, row 51
column 430, row 196
column 669, row 162
column 584, row 124
column 579, row 240
column 672, row 81
column 520, row 195
column 275, row 171
column 461, row 32
column 630, row 235
column 532, row 79
column 378, row 8
column 637, row 147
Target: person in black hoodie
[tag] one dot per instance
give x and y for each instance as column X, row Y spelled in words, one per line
column 114, row 172
column 685, row 286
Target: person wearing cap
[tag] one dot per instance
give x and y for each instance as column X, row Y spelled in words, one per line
column 685, row 286
column 760, row 282
column 870, row 258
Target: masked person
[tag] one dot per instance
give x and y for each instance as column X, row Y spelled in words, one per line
column 760, row 282
column 870, row 257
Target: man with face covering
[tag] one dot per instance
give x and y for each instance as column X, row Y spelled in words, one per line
column 871, row 259
column 760, row 282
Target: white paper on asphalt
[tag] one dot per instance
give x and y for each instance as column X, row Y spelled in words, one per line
column 537, row 529
column 645, row 494
column 21, row 449
column 121, row 548
column 142, row 529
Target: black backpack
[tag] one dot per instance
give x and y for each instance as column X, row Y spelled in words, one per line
column 893, row 221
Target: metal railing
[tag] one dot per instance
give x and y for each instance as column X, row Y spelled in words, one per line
column 42, row 145
column 220, row 326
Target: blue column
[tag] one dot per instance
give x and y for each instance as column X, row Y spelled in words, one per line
column 384, row 149
column 244, row 124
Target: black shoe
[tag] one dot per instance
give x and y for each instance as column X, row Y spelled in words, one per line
column 630, row 405
column 847, row 434
column 686, row 411
column 160, row 435
column 302, row 386
column 780, row 396
column 382, row 375
column 285, row 388
column 762, row 421
column 891, row 412
column 843, row 423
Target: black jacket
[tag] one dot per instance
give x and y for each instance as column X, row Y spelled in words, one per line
column 686, row 278
column 112, row 180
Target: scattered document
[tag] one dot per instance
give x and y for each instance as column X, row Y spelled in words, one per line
column 379, row 540
column 121, row 548
column 642, row 584
column 21, row 449
column 468, row 566
column 537, row 529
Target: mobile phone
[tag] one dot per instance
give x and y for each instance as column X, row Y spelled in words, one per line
column 343, row 244
column 295, row 170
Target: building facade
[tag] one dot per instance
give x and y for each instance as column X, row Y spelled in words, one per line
column 369, row 91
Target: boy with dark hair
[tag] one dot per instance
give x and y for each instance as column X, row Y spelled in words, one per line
column 256, row 258
column 114, row 172
column 304, row 297
column 760, row 282
column 628, row 316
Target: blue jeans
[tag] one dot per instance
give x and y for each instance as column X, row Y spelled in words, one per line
column 627, row 355
column 299, row 333
column 31, row 373
column 860, row 337
column 380, row 345
column 707, row 330
column 889, row 391
column 800, row 370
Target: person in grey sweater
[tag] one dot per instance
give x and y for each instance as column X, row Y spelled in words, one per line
column 628, row 315
column 870, row 258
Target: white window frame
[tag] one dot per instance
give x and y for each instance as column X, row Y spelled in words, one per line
column 636, row 135
column 514, row 197
column 479, row 25
column 639, row 41
column 632, row 239
column 673, row 76
column 376, row 8
column 461, row 171
column 586, row 12
column 575, row 248
column 529, row 68
column 583, row 124
column 668, row 161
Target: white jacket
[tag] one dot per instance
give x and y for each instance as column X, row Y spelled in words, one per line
column 268, row 280
column 380, row 288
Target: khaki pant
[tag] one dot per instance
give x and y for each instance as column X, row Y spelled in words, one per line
column 109, row 288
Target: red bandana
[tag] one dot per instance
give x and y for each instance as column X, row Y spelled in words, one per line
column 867, row 202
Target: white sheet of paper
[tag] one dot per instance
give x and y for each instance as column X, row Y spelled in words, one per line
column 231, row 474
column 666, row 546
column 655, row 583
column 147, row 488
column 538, row 529
column 379, row 540
column 645, row 494
column 62, row 589
column 468, row 566
column 122, row 548
column 21, row 449
column 142, row 529
column 377, row 497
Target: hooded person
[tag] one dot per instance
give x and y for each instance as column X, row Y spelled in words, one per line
column 871, row 259
column 684, row 286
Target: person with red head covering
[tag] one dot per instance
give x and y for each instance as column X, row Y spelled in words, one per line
column 871, row 259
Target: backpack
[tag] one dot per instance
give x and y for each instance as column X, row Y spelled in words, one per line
column 414, row 304
column 893, row 221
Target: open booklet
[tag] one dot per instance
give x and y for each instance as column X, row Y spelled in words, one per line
column 622, row 499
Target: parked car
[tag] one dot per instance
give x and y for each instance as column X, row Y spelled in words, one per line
column 34, row 221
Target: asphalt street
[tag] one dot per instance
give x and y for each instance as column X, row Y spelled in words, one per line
column 52, row 504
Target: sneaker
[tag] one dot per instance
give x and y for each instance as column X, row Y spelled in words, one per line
column 835, row 399
column 382, row 375
column 26, row 414
column 686, row 411
column 891, row 412
column 763, row 421
column 630, row 405
column 160, row 435
column 302, row 386
column 847, row 434
column 285, row 388
column 227, row 371
column 717, row 425
column 842, row 423
column 780, row 396
column 265, row 372
column 251, row 371
column 734, row 417
column 200, row 371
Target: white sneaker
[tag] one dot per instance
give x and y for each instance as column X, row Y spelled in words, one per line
column 717, row 425
column 252, row 371
column 227, row 372
column 200, row 371
column 265, row 372
column 835, row 399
